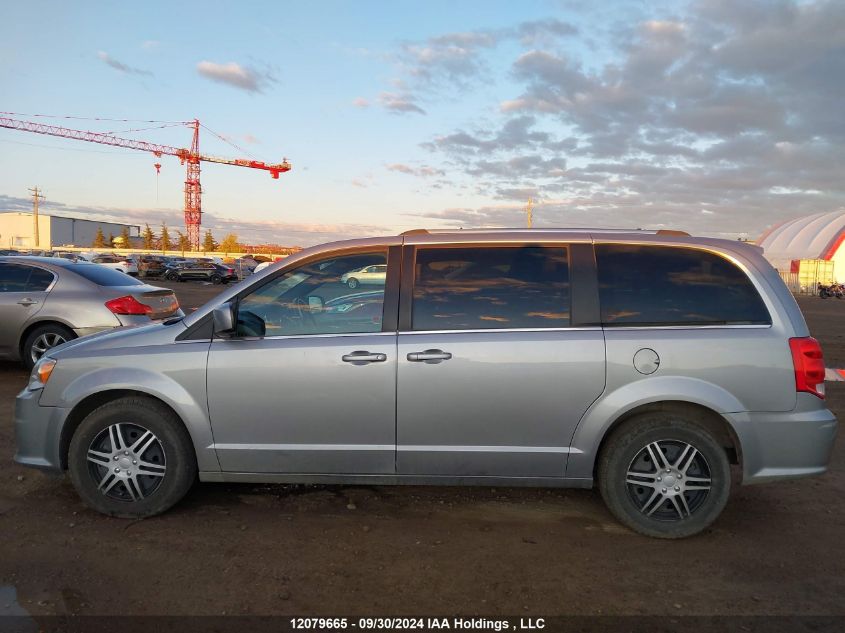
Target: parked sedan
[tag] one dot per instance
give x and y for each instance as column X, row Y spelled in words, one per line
column 151, row 266
column 202, row 271
column 46, row 301
column 125, row 265
column 367, row 275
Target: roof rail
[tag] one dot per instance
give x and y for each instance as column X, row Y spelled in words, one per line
column 552, row 229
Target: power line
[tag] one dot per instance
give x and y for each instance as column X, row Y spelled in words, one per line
column 74, row 149
column 84, row 118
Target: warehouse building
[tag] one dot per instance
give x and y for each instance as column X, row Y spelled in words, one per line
column 17, row 230
column 809, row 247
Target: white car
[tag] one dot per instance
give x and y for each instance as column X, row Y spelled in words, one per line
column 375, row 275
column 123, row 264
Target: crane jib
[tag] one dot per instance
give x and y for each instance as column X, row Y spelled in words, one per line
column 192, row 157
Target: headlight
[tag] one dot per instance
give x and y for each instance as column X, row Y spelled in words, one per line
column 41, row 373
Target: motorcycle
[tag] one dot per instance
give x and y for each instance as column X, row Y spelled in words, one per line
column 834, row 289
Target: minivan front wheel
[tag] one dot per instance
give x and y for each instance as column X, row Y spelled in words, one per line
column 131, row 458
column 664, row 476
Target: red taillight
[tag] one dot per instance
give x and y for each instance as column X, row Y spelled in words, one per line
column 809, row 365
column 128, row 305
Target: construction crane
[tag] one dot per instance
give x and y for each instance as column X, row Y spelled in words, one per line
column 190, row 157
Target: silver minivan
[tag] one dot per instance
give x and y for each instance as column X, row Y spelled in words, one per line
column 646, row 363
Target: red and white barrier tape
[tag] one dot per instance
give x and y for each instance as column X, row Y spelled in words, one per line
column 834, row 375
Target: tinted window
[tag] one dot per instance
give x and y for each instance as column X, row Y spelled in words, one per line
column 488, row 288
column 103, row 276
column 39, row 280
column 654, row 285
column 316, row 298
column 13, row 278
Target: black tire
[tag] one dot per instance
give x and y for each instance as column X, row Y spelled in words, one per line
column 352, row 282
column 627, row 449
column 171, row 276
column 216, row 279
column 38, row 336
column 179, row 460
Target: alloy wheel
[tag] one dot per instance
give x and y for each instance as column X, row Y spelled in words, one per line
column 668, row 480
column 43, row 343
column 127, row 462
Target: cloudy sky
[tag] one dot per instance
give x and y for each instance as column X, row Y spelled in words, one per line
column 717, row 117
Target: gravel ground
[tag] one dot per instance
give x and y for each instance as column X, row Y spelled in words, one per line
column 272, row 549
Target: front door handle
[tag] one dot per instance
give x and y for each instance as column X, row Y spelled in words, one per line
column 429, row 356
column 362, row 358
column 27, row 302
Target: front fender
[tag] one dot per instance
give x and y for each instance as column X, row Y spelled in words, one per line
column 610, row 407
column 187, row 396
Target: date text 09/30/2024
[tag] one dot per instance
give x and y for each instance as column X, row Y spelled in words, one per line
column 417, row 624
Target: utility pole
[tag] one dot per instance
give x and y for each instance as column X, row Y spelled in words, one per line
column 529, row 210
column 36, row 195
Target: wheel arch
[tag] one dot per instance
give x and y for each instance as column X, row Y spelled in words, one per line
column 39, row 323
column 714, row 422
column 92, row 402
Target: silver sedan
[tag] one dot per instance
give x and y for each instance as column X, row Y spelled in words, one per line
column 46, row 301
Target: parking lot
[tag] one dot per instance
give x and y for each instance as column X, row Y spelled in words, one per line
column 273, row 549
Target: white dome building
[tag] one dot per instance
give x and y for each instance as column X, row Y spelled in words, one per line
column 813, row 237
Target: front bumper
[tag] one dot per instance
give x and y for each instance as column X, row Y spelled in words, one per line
column 784, row 445
column 37, row 432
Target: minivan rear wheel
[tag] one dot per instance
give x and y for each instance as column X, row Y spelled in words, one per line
column 664, row 475
column 131, row 458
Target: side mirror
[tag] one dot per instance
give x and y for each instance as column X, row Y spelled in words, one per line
column 224, row 321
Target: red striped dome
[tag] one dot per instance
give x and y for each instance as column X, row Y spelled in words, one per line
column 816, row 236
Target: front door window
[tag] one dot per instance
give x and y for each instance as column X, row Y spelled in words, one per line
column 317, row 298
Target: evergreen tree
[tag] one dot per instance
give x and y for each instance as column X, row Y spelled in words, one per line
column 184, row 243
column 164, row 242
column 149, row 238
column 110, row 243
column 124, row 235
column 209, row 244
column 99, row 239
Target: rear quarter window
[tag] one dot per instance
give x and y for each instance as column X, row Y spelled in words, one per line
column 103, row 276
column 39, row 280
column 661, row 285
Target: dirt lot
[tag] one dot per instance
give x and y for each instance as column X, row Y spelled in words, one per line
column 257, row 549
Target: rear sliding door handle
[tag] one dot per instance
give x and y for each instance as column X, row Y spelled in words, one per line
column 429, row 356
column 362, row 358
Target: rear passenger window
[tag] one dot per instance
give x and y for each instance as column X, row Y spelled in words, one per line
column 472, row 288
column 659, row 285
column 13, row 278
column 39, row 280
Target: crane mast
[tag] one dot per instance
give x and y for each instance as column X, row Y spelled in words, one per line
column 193, row 192
column 189, row 157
